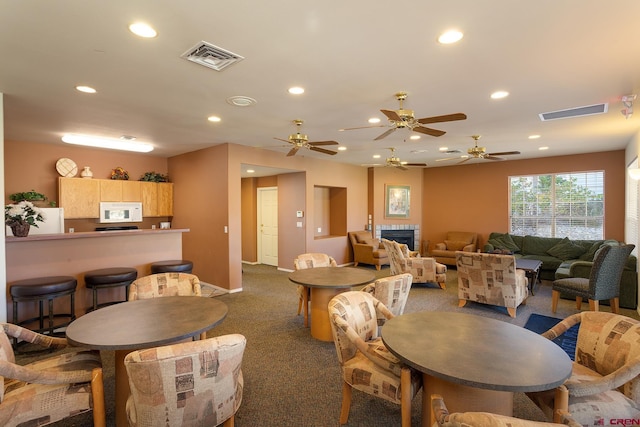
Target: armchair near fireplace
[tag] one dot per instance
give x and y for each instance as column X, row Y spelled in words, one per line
column 445, row 252
column 367, row 250
column 423, row 270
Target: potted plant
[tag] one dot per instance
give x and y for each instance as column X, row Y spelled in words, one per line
column 31, row 196
column 154, row 177
column 21, row 216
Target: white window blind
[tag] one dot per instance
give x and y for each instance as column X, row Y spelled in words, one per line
column 631, row 208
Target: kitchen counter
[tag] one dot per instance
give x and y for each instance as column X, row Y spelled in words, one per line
column 92, row 234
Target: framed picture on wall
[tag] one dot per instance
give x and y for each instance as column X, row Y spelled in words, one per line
column 396, row 201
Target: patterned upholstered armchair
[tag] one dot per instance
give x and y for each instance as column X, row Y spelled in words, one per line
column 491, row 279
column 50, row 389
column 310, row 260
column 198, row 381
column 423, row 270
column 366, row 363
column 486, row 419
column 605, row 383
column 391, row 291
column 166, row 285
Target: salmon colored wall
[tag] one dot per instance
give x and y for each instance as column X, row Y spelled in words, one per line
column 291, row 198
column 200, row 203
column 249, row 215
column 394, row 176
column 475, row 197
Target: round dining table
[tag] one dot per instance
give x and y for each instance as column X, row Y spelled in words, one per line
column 325, row 283
column 476, row 363
column 141, row 324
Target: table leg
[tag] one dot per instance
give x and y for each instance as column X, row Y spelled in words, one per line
column 122, row 388
column 461, row 398
column 320, row 326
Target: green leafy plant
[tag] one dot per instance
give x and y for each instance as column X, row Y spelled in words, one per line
column 154, row 177
column 22, row 212
column 30, row 196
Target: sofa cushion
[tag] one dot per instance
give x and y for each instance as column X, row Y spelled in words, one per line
column 504, row 242
column 566, row 249
column 363, row 237
column 534, row 245
column 455, row 245
column 590, row 253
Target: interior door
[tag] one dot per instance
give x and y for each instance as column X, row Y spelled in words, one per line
column 268, row 226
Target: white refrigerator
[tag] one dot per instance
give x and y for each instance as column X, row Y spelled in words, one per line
column 53, row 223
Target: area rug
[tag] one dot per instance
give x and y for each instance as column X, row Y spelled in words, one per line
column 567, row 341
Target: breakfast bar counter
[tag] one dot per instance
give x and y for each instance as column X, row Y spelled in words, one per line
column 73, row 254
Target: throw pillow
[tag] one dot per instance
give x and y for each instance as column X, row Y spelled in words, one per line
column 566, row 249
column 590, row 253
column 368, row 241
column 504, row 242
column 454, row 245
column 360, row 238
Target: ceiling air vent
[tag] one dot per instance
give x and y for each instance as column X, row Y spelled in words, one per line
column 574, row 112
column 211, row 56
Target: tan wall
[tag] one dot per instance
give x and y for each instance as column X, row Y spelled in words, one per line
column 393, row 176
column 475, row 197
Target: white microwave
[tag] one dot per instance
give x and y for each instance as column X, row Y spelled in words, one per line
column 120, row 212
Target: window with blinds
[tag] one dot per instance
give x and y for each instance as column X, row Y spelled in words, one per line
column 558, row 205
column 631, row 208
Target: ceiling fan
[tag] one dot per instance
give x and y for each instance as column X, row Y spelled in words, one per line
column 476, row 152
column 395, row 162
column 401, row 119
column 299, row 140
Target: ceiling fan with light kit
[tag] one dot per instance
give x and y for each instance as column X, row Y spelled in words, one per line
column 405, row 119
column 395, row 162
column 299, row 140
column 476, row 152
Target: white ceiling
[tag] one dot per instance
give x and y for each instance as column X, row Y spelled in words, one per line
column 350, row 56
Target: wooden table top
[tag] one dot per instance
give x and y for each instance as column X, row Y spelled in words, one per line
column 477, row 351
column 146, row 323
column 332, row 277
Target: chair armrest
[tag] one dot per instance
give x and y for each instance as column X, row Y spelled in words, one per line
column 608, row 382
column 32, row 337
column 580, row 269
column 469, row 248
column 563, row 326
column 440, row 411
column 49, row 375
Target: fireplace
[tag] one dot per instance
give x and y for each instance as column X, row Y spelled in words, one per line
column 400, row 236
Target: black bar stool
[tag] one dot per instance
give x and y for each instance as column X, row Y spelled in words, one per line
column 109, row 278
column 172, row 266
column 43, row 289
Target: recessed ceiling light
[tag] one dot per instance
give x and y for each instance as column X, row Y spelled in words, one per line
column 534, row 136
column 85, row 89
column 112, row 143
column 241, row 101
column 374, row 120
column 250, row 171
column 143, row 30
column 342, row 148
column 214, row 119
column 414, row 137
column 296, row 90
column 543, row 148
column 450, row 36
column 376, row 156
column 499, row 94
column 443, row 149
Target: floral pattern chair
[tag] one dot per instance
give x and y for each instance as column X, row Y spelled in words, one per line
column 392, row 291
column 50, row 389
column 605, row 382
column 191, row 384
column 491, row 279
column 366, row 363
column 486, row 419
column 310, row 260
column 166, row 285
column 423, row 270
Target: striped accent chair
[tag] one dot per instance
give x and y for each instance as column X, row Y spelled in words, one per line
column 423, row 270
column 310, row 260
column 491, row 279
column 392, row 291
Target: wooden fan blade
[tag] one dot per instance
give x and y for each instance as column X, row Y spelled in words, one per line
column 490, row 157
column 392, row 115
column 285, row 140
column 364, row 127
column 293, row 151
column 384, row 135
column 465, row 160
column 505, row 153
column 444, row 118
column 322, row 150
column 447, row 159
column 323, row 143
column 401, row 167
column 429, row 131
column 415, row 164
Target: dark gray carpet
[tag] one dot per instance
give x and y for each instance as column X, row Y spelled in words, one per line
column 292, row 379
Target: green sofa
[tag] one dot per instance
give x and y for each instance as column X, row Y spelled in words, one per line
column 562, row 257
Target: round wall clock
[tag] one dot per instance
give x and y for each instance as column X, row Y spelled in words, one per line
column 66, row 167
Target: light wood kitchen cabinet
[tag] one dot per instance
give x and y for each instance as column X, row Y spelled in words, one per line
column 79, row 197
